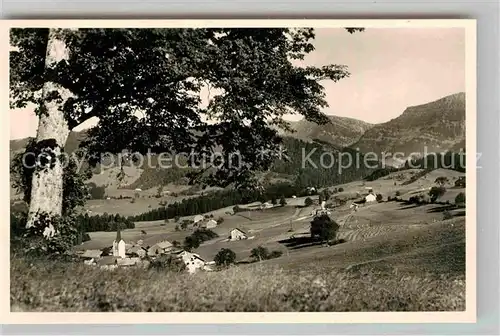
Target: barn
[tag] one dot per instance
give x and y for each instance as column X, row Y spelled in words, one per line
column 237, row 234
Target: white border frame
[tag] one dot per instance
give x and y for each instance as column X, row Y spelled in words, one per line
column 468, row 316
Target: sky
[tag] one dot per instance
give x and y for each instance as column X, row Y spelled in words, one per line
column 391, row 69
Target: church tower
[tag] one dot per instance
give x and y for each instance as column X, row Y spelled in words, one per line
column 119, row 245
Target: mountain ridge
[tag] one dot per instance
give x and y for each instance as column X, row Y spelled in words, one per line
column 436, row 126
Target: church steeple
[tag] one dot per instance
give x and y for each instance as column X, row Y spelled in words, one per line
column 118, row 235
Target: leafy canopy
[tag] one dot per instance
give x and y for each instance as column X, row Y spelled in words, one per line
column 225, row 257
column 145, row 85
column 324, row 228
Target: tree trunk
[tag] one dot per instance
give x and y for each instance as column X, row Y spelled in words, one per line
column 52, row 133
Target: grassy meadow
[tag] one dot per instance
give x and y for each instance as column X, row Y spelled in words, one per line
column 52, row 287
column 396, row 257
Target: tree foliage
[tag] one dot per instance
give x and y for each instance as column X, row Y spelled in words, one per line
column 144, row 87
column 225, row 257
column 441, row 180
column 436, row 192
column 324, row 228
column 460, row 199
column 259, row 253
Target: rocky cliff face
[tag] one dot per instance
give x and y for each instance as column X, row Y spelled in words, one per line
column 437, row 126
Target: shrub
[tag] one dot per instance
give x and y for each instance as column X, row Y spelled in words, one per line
column 177, row 228
column 460, row 199
column 308, row 201
column 460, row 182
column 282, row 201
column 219, row 220
column 96, row 192
column 85, row 237
column 275, row 254
column 398, row 193
column 259, row 253
column 64, row 237
column 225, row 257
column 167, row 263
column 185, row 224
column 379, row 198
column 324, row 228
column 236, row 209
column 436, row 192
column 191, row 242
column 442, row 180
column 447, row 215
column 132, row 200
column 197, row 237
column 341, row 189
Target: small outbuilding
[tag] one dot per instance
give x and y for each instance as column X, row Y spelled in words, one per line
column 370, row 198
column 198, row 218
column 210, row 224
column 237, row 234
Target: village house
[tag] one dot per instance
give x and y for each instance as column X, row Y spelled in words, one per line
column 138, row 251
column 237, row 234
column 160, row 248
column 91, row 256
column 210, row 224
column 192, row 261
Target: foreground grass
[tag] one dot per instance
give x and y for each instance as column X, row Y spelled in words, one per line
column 55, row 286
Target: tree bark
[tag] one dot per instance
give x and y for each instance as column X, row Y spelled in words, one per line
column 52, row 133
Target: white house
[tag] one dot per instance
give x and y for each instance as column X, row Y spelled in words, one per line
column 192, row 261
column 210, row 224
column 198, row 218
column 137, row 251
column 237, row 234
column 119, row 245
column 370, row 198
column 161, row 247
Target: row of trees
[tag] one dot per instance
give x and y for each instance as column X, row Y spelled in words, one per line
column 104, row 222
column 220, row 199
column 197, row 237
